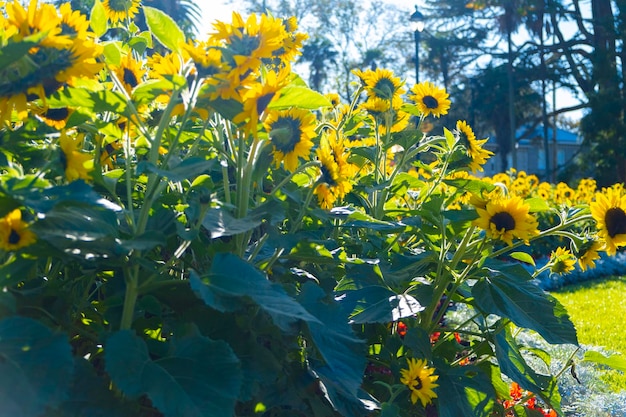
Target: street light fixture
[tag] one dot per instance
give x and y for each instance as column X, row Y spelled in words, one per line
column 417, row 23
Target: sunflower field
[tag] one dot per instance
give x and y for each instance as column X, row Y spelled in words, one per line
column 187, row 229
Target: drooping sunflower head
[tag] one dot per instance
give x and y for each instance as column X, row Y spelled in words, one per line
column 609, row 212
column 419, row 378
column 334, row 181
column 562, row 260
column 587, row 254
column 430, row 100
column 506, row 218
column 120, row 10
column 474, row 148
column 14, row 232
column 291, row 133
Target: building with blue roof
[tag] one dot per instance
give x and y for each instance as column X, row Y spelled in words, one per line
column 563, row 147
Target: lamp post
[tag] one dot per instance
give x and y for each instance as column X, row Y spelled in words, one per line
column 417, row 23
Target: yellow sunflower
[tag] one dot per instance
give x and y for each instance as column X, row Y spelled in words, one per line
column 248, row 42
column 563, row 261
column 120, row 10
column 588, row 254
column 14, row 233
column 474, row 147
column 505, row 218
column 420, row 380
column 56, row 118
column 609, row 212
column 76, row 164
column 334, row 181
column 130, row 72
column 430, row 99
column 290, row 132
column 381, row 83
column 256, row 99
column 73, row 22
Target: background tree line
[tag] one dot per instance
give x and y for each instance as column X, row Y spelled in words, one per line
column 488, row 54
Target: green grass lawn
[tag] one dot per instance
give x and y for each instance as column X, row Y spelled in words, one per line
column 598, row 310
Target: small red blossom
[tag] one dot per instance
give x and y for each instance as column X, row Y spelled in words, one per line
column 434, row 337
column 402, row 328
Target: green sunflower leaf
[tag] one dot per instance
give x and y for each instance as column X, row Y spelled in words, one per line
column 513, row 364
column 231, row 283
column 164, row 28
column 515, row 297
column 199, row 377
column 98, row 19
column 464, row 391
column 613, row 361
column 523, row 257
column 301, row 97
column 36, row 367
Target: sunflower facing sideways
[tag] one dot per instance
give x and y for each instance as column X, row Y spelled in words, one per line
column 420, row 380
column 474, row 147
column 609, row 212
column 588, row 254
column 290, row 133
column 506, row 218
column 334, row 181
column 430, row 100
column 563, row 261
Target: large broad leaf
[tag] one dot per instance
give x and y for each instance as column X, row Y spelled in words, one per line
column 36, row 367
column 220, row 223
column 199, row 378
column 232, row 283
column 164, row 28
column 95, row 101
column 179, row 170
column 464, row 391
column 513, row 364
column 91, row 396
column 378, row 304
column 510, row 295
column 298, row 96
column 98, row 19
column 343, row 355
column 613, row 361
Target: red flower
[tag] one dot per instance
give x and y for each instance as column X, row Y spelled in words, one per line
column 402, row 328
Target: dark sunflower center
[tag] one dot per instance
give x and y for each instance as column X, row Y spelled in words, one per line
column 286, row 134
column 327, row 177
column 615, row 219
column 430, row 102
column 419, row 384
column 263, row 101
column 67, row 29
column 14, row 237
column 57, row 114
column 503, row 221
column 245, row 45
column 120, row 5
column 130, row 78
column 384, row 88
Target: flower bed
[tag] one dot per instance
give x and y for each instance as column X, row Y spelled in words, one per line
column 188, row 230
